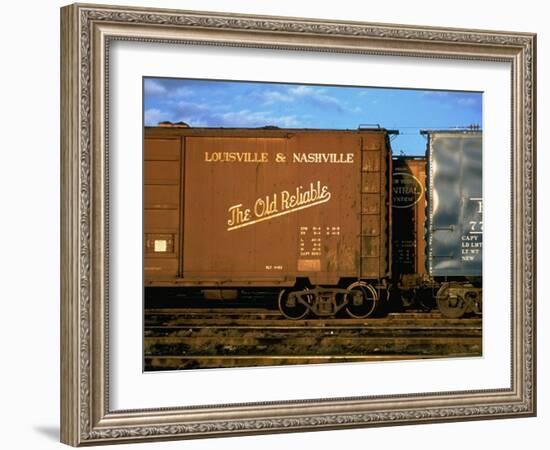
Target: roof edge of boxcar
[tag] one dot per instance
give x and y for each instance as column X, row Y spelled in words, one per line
column 164, row 130
column 465, row 130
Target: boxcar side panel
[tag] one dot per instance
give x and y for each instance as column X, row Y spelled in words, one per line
column 272, row 208
column 375, row 205
column 162, row 212
column 265, row 207
column 409, row 215
column 455, row 204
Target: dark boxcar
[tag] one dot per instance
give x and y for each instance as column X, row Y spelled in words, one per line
column 408, row 231
column 455, row 218
column 409, row 213
column 269, row 207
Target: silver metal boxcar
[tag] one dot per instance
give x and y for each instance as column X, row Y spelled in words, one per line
column 454, row 233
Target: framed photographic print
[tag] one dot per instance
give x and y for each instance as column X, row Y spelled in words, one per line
column 299, row 241
column 308, row 212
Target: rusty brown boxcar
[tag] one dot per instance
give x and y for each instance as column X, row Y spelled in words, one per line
column 303, row 211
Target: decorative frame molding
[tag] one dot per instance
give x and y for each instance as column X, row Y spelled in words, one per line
column 86, row 31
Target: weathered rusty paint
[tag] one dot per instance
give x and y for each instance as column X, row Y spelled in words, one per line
column 161, row 196
column 375, row 202
column 338, row 227
column 161, row 172
column 409, row 215
column 161, row 215
column 163, row 150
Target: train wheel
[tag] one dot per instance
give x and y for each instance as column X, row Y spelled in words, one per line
column 408, row 298
column 426, row 299
column 364, row 305
column 451, row 306
column 291, row 309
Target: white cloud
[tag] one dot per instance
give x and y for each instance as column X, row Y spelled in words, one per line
column 270, row 97
column 301, row 91
column 450, row 99
column 247, row 118
column 153, row 116
column 310, row 94
column 467, row 101
column 198, row 114
column 152, row 87
column 192, row 121
column 183, row 92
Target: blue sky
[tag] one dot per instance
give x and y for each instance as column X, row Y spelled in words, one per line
column 210, row 103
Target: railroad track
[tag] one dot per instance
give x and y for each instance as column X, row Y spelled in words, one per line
column 190, row 338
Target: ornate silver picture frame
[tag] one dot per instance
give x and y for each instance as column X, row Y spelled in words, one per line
column 87, row 413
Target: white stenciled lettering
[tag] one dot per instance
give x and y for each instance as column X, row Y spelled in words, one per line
column 238, row 215
column 277, row 204
column 479, row 204
column 317, row 158
column 265, row 206
column 231, row 157
column 264, row 157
